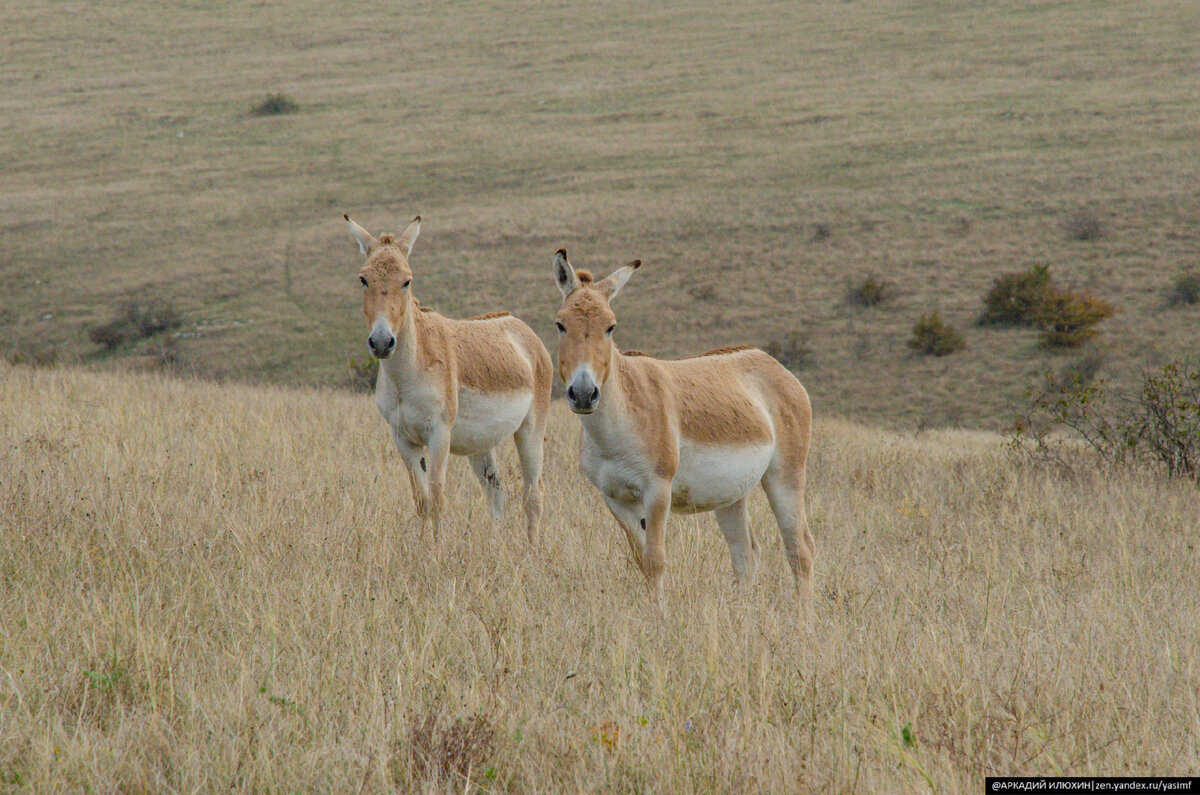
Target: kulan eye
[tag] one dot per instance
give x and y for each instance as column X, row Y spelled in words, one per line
column 561, row 328
column 405, row 285
column 363, row 279
column 609, row 330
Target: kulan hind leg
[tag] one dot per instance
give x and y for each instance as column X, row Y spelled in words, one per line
column 484, row 467
column 734, row 521
column 785, row 492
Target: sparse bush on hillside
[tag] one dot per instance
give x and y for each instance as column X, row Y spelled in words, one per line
column 821, row 231
column 166, row 354
column 134, row 321
column 363, row 373
column 1016, row 298
column 1158, row 426
column 1080, row 371
column 870, row 292
column 933, row 337
column 1085, row 226
column 1067, row 319
column 34, row 357
column 791, row 351
column 277, row 104
column 1185, row 290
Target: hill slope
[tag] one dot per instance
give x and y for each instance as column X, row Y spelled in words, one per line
column 758, row 157
column 209, row 587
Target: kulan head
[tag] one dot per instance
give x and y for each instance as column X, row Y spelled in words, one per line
column 585, row 323
column 386, row 284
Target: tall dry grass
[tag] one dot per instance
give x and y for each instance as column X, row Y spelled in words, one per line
column 212, row 587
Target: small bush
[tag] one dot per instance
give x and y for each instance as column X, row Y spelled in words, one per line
column 1016, row 298
column 1068, row 319
column 446, row 755
column 1185, row 290
column 870, row 292
column 821, row 231
column 165, row 354
column 136, row 321
column 932, row 337
column 363, row 374
column 1085, row 226
column 277, row 104
column 704, row 292
column 1158, row 426
column 791, row 351
column 35, row 357
column 1078, row 372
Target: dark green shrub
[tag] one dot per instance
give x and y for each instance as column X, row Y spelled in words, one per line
column 1067, row 319
column 932, row 337
column 134, row 321
column 277, row 104
column 791, row 351
column 1158, row 426
column 363, row 373
column 1079, row 371
column 1016, row 298
column 1185, row 290
column 870, row 292
column 35, row 357
column 1085, row 226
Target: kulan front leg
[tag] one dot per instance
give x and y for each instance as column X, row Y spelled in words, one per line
column 632, row 520
column 438, row 452
column 417, row 464
column 656, row 504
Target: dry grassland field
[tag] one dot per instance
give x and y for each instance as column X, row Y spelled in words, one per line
column 212, row 587
column 211, row 577
column 758, row 157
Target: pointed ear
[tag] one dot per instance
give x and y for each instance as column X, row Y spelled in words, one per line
column 364, row 238
column 616, row 280
column 564, row 274
column 406, row 240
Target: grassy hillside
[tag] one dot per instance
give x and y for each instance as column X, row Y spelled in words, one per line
column 207, row 587
column 758, row 157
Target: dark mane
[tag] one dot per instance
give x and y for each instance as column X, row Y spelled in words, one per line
column 714, row 352
column 488, row 316
column 721, row 351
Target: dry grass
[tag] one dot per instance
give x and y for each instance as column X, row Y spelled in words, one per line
column 206, row 587
column 771, row 150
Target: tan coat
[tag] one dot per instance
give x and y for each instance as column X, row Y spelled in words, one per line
column 452, row 386
column 687, row 435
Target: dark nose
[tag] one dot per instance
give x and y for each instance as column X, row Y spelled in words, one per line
column 581, row 402
column 381, row 347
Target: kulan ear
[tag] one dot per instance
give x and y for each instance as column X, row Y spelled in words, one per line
column 406, row 240
column 564, row 274
column 365, row 240
column 616, row 280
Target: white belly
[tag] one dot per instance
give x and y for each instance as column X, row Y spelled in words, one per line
column 620, row 477
column 485, row 421
column 712, row 477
